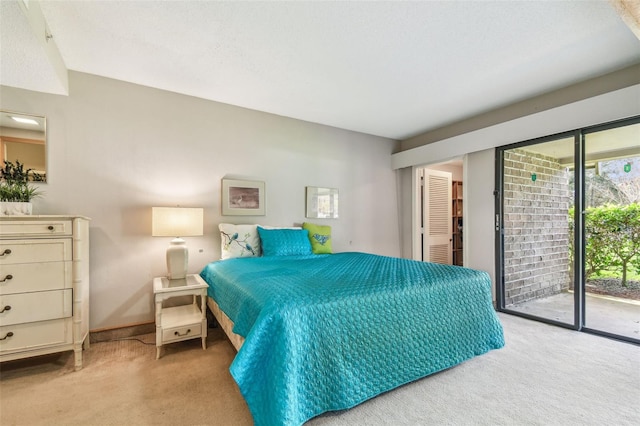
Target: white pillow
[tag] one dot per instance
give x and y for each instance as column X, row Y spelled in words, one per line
column 239, row 240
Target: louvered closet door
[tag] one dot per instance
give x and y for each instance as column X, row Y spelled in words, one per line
column 437, row 217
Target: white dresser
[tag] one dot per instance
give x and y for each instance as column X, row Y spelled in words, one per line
column 44, row 286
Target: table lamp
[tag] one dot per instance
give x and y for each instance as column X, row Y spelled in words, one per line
column 177, row 222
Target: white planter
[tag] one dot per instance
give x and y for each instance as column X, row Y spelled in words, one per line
column 15, row 208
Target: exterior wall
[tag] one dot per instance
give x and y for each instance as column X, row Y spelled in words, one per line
column 536, row 233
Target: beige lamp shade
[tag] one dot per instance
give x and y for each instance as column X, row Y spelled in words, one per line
column 177, row 222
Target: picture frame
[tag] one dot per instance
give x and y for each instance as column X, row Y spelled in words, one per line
column 243, row 197
column 321, row 203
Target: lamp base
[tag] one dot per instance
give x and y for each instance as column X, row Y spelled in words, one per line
column 177, row 259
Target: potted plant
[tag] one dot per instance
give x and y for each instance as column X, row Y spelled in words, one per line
column 16, row 192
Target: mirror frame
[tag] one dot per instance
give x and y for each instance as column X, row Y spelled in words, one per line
column 321, row 203
column 12, row 133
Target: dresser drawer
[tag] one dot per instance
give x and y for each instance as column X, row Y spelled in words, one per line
column 28, row 277
column 44, row 286
column 37, row 306
column 35, row 335
column 34, row 251
column 40, row 228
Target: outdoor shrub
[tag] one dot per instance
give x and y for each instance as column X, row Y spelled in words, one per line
column 612, row 235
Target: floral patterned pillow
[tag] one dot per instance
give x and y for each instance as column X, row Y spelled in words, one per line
column 239, row 240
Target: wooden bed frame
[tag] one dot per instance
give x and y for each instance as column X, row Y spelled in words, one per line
column 226, row 324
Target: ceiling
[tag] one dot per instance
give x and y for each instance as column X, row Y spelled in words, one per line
column 392, row 69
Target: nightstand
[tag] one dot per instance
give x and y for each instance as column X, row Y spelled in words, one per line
column 183, row 322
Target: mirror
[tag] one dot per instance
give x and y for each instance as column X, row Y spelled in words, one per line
column 322, row 202
column 23, row 139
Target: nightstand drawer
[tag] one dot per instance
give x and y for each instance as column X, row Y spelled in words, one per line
column 35, row 335
column 28, row 277
column 34, row 251
column 39, row 228
column 182, row 333
column 37, row 306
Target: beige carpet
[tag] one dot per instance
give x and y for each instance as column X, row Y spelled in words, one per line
column 122, row 383
column 544, row 376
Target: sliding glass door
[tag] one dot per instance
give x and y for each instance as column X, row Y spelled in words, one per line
column 568, row 229
column 537, row 229
column 612, row 230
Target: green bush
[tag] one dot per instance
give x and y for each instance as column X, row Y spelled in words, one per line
column 612, row 237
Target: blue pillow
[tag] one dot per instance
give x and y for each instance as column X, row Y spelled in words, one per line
column 284, row 242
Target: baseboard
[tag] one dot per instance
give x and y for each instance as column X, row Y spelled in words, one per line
column 106, row 334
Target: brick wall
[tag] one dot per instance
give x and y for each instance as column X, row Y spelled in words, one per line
column 536, row 254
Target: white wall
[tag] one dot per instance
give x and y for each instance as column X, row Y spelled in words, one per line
column 406, row 210
column 116, row 149
column 479, row 211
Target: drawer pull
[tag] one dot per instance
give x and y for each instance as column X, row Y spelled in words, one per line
column 8, row 308
column 180, row 335
column 9, row 334
column 7, row 278
column 5, row 252
column 50, row 228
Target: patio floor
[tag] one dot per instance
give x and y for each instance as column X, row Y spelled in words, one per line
column 604, row 313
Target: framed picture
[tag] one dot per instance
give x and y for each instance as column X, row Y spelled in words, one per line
column 322, row 202
column 243, row 198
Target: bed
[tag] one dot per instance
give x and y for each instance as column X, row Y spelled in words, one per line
column 324, row 332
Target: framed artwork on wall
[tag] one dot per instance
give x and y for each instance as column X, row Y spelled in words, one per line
column 322, row 202
column 243, row 197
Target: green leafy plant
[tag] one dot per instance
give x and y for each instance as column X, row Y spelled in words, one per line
column 14, row 183
column 612, row 236
column 618, row 229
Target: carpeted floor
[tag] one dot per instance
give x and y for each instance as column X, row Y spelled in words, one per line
column 544, row 376
column 122, row 383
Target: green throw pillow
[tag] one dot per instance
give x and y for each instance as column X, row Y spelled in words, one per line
column 320, row 237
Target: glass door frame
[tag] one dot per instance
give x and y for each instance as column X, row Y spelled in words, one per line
column 584, row 132
column 499, row 231
column 579, row 276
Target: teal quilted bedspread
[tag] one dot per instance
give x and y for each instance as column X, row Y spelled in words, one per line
column 327, row 332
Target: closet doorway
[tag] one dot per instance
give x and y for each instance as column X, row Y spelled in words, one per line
column 439, row 213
